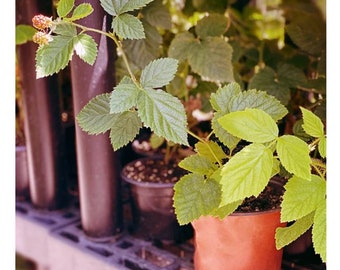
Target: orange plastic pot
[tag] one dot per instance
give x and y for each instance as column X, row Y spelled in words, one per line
column 238, row 242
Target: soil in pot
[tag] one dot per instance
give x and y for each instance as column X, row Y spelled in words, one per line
column 151, row 182
column 244, row 240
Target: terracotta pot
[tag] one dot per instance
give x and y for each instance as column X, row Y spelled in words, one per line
column 153, row 214
column 241, row 241
column 21, row 173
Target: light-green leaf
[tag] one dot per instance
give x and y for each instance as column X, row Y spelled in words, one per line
column 124, row 97
column 124, row 129
column 225, row 210
column 252, row 125
column 158, row 73
column 298, row 192
column 259, row 100
column 286, row 235
column 247, row 173
column 114, row 7
column 319, row 230
column 312, row 124
column 95, row 117
column 322, row 146
column 223, row 96
column 198, row 164
column 164, row 114
column 23, row 33
column 212, row 59
column 194, row 196
column 86, row 48
column 225, row 137
column 294, row 155
column 127, row 26
column 210, row 150
column 53, row 57
column 81, row 11
column 64, row 7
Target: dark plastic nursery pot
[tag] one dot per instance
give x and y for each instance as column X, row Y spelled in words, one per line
column 153, row 214
column 21, row 173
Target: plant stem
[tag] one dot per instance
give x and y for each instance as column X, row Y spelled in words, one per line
column 119, row 45
column 207, row 144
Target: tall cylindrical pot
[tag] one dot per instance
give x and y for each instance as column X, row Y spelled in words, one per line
column 43, row 128
column 97, row 163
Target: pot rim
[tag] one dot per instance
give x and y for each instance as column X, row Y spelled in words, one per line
column 141, row 183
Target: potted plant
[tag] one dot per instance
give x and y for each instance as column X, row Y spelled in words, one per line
column 223, row 173
column 233, row 176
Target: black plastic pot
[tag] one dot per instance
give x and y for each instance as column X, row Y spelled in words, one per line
column 21, row 173
column 153, row 216
column 97, row 164
column 43, row 128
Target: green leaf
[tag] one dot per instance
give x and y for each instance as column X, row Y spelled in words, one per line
column 285, row 236
column 259, row 100
column 142, row 51
column 114, row 7
column 212, row 25
column 252, row 125
column 225, row 210
column 223, row 96
column 266, row 80
column 65, row 29
column 180, row 47
column 81, row 11
column 164, row 114
column 212, row 59
column 210, row 150
column 86, row 48
column 54, row 56
column 198, row 164
column 64, row 7
column 322, row 146
column 194, row 196
column 308, row 32
column 312, row 124
column 23, row 33
column 291, row 75
column 157, row 14
column 124, row 129
column 319, row 230
column 158, row 73
column 294, row 155
column 298, row 192
column 247, row 173
column 124, row 96
column 95, row 117
column 127, row 26
column 156, row 141
column 225, row 137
